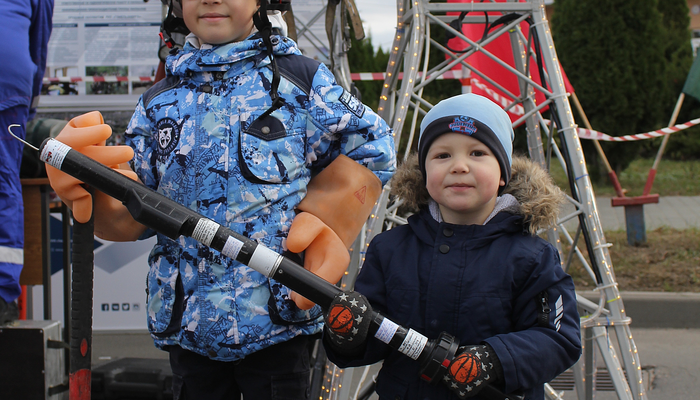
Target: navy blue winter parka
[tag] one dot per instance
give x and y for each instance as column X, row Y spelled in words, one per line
column 480, row 283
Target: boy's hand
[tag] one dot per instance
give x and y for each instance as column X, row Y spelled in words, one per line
column 347, row 321
column 472, row 368
column 87, row 134
column 325, row 253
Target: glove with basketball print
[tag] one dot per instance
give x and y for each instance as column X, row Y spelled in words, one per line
column 347, row 322
column 472, row 369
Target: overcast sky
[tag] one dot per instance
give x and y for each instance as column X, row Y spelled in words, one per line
column 379, row 17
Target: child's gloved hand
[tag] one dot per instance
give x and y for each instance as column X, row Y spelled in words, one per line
column 325, row 253
column 472, row 368
column 347, row 322
column 87, row 134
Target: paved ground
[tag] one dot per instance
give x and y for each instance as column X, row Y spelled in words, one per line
column 669, row 363
column 668, row 358
column 679, row 212
column 671, row 355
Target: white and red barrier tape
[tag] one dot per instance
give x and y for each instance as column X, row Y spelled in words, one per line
column 591, row 134
column 76, row 79
column 355, row 76
column 380, row 76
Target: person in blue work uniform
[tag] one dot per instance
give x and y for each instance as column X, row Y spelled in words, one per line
column 25, row 28
column 468, row 263
column 241, row 129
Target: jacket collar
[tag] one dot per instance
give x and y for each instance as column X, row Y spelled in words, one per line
column 503, row 203
column 426, row 228
column 233, row 57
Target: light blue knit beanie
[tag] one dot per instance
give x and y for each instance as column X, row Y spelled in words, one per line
column 471, row 115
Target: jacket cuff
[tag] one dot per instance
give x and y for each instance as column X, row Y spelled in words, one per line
column 509, row 376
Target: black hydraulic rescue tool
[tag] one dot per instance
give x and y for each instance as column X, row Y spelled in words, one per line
column 174, row 220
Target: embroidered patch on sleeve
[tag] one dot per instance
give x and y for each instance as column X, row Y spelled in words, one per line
column 168, row 136
column 352, row 103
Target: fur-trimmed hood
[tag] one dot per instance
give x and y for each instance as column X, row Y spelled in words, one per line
column 540, row 199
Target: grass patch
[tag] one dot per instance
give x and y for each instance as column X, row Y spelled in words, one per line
column 673, row 178
column 669, row 262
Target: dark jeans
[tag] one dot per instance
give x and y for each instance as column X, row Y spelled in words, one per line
column 279, row 372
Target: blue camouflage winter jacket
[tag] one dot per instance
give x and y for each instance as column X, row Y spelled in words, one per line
column 198, row 140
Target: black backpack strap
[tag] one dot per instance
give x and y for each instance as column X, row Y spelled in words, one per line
column 299, row 70
column 169, row 82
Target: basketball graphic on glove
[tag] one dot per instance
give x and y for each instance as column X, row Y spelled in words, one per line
column 340, row 319
column 465, row 368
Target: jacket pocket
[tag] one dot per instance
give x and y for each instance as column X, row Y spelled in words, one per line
column 165, row 292
column 283, row 310
column 269, row 152
column 483, row 315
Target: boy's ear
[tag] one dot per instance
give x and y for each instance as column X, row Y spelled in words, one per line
column 502, row 182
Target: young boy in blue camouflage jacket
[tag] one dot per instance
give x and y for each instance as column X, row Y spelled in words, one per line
column 236, row 131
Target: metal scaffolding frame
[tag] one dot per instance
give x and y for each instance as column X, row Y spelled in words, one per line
column 322, row 32
column 409, row 72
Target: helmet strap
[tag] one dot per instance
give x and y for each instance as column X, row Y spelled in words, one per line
column 264, row 26
column 172, row 24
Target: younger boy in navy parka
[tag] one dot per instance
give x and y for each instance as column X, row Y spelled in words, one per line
column 469, row 262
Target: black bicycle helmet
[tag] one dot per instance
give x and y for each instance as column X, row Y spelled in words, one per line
column 172, row 24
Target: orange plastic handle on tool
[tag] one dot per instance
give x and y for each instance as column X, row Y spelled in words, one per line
column 87, row 134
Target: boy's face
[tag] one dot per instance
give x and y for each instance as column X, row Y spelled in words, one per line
column 463, row 177
column 219, row 21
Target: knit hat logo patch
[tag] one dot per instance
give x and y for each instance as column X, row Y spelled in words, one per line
column 463, row 124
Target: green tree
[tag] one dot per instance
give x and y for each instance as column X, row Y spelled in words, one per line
column 679, row 57
column 363, row 58
column 614, row 54
column 440, row 89
column 677, row 52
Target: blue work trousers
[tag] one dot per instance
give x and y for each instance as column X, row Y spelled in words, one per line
column 11, row 204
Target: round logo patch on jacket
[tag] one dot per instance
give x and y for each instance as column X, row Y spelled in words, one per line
column 168, row 135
